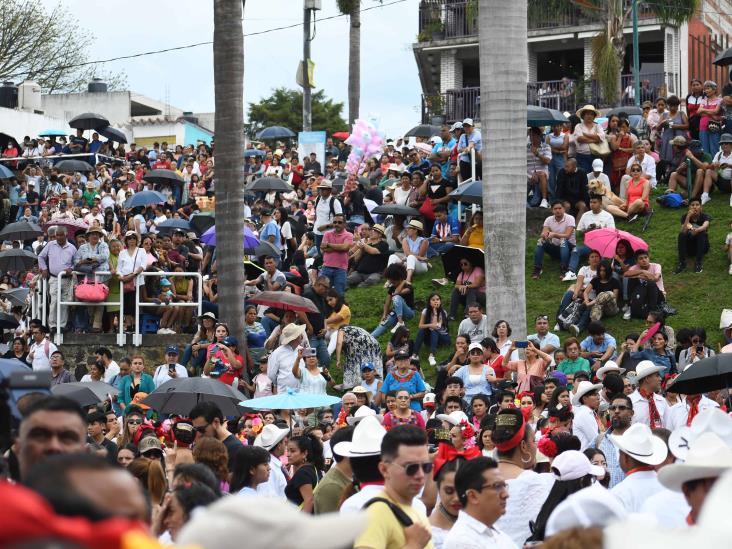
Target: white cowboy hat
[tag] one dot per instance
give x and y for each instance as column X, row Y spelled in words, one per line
column 393, row 167
column 362, row 412
column 270, row 436
column 581, row 111
column 583, row 388
column 711, row 530
column 709, row 457
column 290, row 332
column 610, row 366
column 592, row 507
column 453, row 418
column 268, row 523
column 641, row 444
column 573, row 464
column 711, row 420
column 644, row 369
column 366, row 439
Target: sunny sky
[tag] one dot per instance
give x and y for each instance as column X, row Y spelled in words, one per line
column 390, row 90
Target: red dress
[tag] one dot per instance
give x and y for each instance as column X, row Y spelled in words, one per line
column 635, row 191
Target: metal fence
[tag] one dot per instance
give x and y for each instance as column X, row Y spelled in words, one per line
column 452, row 106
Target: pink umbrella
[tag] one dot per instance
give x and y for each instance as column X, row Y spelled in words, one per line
column 606, row 240
column 424, row 147
column 73, row 226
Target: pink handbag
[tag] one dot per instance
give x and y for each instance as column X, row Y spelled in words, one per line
column 91, row 291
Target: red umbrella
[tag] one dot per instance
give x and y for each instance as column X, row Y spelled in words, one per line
column 606, row 240
column 341, row 135
column 284, row 300
column 73, row 226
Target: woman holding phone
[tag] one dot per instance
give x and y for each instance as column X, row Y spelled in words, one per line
column 532, row 367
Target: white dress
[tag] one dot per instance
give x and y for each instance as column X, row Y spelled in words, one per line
column 527, row 494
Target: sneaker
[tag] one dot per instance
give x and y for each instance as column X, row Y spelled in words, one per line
column 698, row 268
column 557, row 328
column 414, row 357
column 536, row 273
column 626, row 315
column 681, row 267
column 569, row 276
column 574, row 330
column 431, row 360
column 705, row 198
column 544, row 203
column 440, row 282
column 396, row 327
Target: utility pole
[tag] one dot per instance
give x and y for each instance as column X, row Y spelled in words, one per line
column 636, row 55
column 307, row 114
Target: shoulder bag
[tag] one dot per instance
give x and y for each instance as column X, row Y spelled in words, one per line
column 129, row 286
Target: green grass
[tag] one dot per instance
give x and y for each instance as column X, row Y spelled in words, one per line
column 699, row 298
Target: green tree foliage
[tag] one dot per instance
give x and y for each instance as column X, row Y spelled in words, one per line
column 47, row 46
column 283, row 108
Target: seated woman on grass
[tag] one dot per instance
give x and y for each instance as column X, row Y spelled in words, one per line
column 399, row 301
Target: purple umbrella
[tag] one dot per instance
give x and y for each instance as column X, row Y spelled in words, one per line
column 250, row 239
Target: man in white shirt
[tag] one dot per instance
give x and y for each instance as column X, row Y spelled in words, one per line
column 171, row 369
column 594, row 218
column 684, row 411
column 483, row 494
column 326, row 207
column 39, row 355
column 281, row 361
column 597, row 174
column 475, row 326
column 649, row 383
column 586, row 402
column 640, row 451
column 94, row 215
column 111, row 368
column 648, row 165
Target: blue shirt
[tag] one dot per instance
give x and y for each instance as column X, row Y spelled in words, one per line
column 415, row 384
column 441, row 147
column 589, row 345
column 269, row 229
column 472, row 388
column 449, row 228
column 476, row 138
column 548, row 339
column 667, row 361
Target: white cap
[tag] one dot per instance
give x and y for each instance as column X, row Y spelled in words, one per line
column 597, row 165
column 436, row 140
column 456, row 126
column 475, row 345
column 573, row 464
column 468, row 122
column 429, row 398
column 592, row 507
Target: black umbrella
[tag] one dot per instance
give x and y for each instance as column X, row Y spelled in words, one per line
column 72, row 165
column 395, row 209
column 171, row 225
column 451, row 260
column 202, row 222
column 268, row 184
column 163, row 176
column 20, row 230
column 542, row 116
column 8, row 322
column 180, row 395
column 113, row 134
column 724, row 58
column 708, row 374
column 5, row 138
column 471, row 192
column 628, row 110
column 16, row 296
column 264, row 248
column 17, row 260
column 89, row 121
column 423, row 130
column 86, row 393
column 276, row 132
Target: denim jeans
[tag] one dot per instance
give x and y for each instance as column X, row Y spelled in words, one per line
column 439, row 248
column 198, row 361
column 710, row 141
column 556, row 165
column 337, row 278
column 435, row 338
column 584, row 162
column 399, row 309
column 578, row 253
column 562, row 252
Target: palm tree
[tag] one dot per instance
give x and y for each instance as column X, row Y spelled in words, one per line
column 352, row 8
column 503, row 62
column 608, row 46
column 228, row 50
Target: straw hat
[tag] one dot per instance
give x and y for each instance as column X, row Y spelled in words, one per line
column 414, row 224
column 641, row 444
column 711, row 420
column 644, row 369
column 362, row 412
column 610, row 366
column 588, row 108
column 453, row 418
column 291, row 332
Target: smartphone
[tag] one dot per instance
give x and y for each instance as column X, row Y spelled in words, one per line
column 521, row 344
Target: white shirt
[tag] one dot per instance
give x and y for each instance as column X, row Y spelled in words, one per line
column 720, row 158
column 635, row 489
column 110, row 371
column 601, row 220
column 355, row 503
column 679, row 412
column 322, row 212
column 584, row 426
column 161, row 374
column 648, row 165
column 279, row 368
column 469, row 533
column 41, row 356
column 670, row 508
column 275, row 486
column 640, row 408
column 527, row 493
column 602, row 178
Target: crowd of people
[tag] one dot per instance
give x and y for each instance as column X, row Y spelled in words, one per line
column 545, row 440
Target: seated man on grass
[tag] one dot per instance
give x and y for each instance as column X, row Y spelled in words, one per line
column 595, row 218
column 700, row 164
column 645, row 286
column 557, row 239
column 693, row 239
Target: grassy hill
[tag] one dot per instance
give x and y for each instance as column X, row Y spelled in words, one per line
column 699, row 298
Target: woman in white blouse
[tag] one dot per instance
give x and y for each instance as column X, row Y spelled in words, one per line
column 130, row 264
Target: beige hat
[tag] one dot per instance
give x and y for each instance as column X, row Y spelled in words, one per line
column 610, row 366
column 270, row 436
column 588, row 108
column 291, row 332
column 414, row 224
column 379, row 229
column 325, row 184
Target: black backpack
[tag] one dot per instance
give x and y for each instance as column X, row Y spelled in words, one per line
column 570, row 314
column 399, row 514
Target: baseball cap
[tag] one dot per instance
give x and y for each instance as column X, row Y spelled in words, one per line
column 456, row 126
column 401, row 355
column 367, row 366
column 573, row 464
column 597, row 165
column 230, row 340
column 429, row 399
column 171, row 350
column 468, row 122
column 475, row 345
column 149, row 443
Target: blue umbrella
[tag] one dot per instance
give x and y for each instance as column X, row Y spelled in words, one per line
column 5, row 172
column 250, row 239
column 278, row 132
column 144, row 198
column 291, row 400
column 472, row 193
column 53, row 133
column 253, row 152
column 170, row 225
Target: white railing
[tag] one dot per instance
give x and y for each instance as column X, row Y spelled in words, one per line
column 96, row 156
column 38, row 302
column 137, row 336
column 59, row 337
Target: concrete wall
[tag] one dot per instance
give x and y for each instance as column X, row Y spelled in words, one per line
column 21, row 123
column 115, row 106
column 451, row 71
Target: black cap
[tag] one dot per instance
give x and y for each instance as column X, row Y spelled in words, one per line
column 401, row 355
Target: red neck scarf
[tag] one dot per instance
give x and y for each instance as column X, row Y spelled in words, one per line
column 654, row 418
column 693, row 402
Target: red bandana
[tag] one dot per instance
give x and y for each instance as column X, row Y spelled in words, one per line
column 693, row 401
column 654, row 418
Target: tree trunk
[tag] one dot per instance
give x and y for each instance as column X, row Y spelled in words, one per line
column 503, row 76
column 354, row 63
column 228, row 50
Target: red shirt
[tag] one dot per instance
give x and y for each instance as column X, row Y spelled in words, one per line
column 331, row 258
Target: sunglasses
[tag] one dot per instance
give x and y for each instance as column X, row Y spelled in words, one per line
column 338, row 223
column 542, row 317
column 634, row 170
column 134, row 422
column 411, row 469
column 618, row 407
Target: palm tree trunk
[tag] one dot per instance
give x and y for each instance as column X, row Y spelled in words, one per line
column 354, row 63
column 503, row 62
column 228, row 50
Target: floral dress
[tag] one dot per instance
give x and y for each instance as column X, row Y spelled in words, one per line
column 360, row 347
